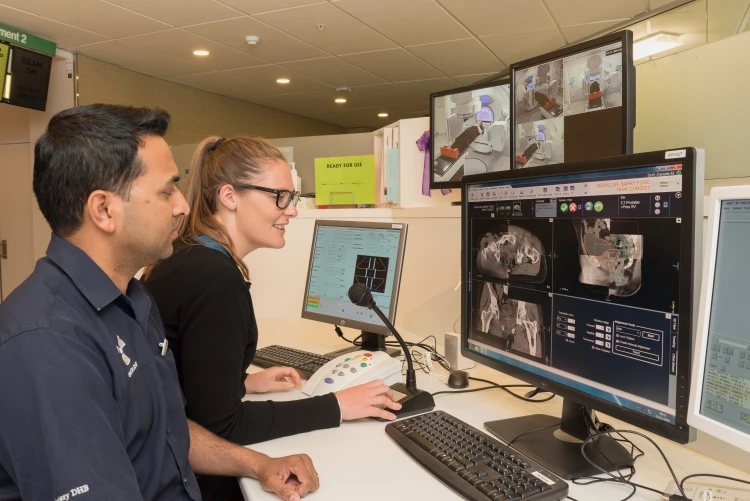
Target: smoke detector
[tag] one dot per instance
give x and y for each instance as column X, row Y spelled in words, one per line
column 252, row 40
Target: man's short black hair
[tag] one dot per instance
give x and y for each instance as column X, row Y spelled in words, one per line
column 89, row 148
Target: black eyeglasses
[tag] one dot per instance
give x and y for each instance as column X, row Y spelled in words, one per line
column 283, row 197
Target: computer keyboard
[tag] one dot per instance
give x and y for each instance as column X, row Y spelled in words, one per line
column 304, row 362
column 475, row 465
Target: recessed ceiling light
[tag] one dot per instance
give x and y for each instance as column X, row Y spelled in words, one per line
column 200, row 52
column 654, row 44
column 340, row 100
column 282, row 80
column 382, row 115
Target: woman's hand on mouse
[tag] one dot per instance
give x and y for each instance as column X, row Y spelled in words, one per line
column 272, row 380
column 365, row 400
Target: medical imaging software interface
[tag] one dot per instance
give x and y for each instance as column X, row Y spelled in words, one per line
column 725, row 395
column 569, row 109
column 575, row 279
column 343, row 256
column 471, row 133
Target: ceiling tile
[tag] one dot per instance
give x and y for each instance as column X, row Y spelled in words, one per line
column 64, row 35
column 180, row 12
column 460, row 57
column 509, row 50
column 472, row 79
column 580, row 32
column 342, row 34
column 334, row 71
column 321, row 101
column 274, row 46
column 655, row 4
column 493, row 17
column 387, row 94
column 181, row 44
column 423, row 88
column 93, row 15
column 408, row 22
column 570, row 12
column 262, row 80
column 258, row 6
column 137, row 59
column 394, row 65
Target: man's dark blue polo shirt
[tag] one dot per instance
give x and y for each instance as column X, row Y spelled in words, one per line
column 89, row 407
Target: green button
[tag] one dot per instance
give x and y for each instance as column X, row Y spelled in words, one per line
column 363, row 365
column 347, row 359
column 598, row 206
column 311, row 305
column 564, row 208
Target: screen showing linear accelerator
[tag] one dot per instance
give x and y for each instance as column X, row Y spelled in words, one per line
column 343, row 256
column 569, row 109
column 725, row 396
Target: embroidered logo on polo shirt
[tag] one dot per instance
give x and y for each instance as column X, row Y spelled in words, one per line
column 120, row 346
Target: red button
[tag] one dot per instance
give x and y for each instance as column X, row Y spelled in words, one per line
column 368, row 354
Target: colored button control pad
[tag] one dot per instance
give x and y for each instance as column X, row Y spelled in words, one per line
column 354, row 364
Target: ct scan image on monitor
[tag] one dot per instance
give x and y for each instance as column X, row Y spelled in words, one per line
column 470, row 132
column 573, row 104
column 579, row 280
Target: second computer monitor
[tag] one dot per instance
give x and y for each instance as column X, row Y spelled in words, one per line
column 347, row 252
column 720, row 403
column 574, row 104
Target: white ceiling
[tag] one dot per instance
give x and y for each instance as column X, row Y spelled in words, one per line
column 391, row 53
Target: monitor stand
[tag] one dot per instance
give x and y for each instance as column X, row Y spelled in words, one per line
column 370, row 342
column 558, row 448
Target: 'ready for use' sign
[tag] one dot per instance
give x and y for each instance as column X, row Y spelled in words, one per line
column 345, row 180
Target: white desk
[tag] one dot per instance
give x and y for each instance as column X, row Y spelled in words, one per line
column 359, row 461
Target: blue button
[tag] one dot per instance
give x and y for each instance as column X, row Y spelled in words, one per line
column 328, row 380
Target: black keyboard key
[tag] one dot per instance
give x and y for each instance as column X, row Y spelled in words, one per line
column 529, row 491
column 421, row 441
column 487, row 488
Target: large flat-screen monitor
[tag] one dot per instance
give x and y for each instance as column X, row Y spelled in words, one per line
column 347, row 252
column 579, row 278
column 469, row 132
column 577, row 103
column 720, row 403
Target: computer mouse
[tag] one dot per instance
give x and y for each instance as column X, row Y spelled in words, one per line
column 458, row 379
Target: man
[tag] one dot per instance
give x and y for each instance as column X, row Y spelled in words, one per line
column 91, row 406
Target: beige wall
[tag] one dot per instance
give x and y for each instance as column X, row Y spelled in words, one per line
column 307, row 149
column 696, row 98
column 21, row 221
column 196, row 114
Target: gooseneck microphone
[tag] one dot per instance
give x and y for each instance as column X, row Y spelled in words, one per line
column 415, row 401
column 360, row 295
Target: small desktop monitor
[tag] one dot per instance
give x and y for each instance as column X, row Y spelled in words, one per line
column 469, row 132
column 577, row 103
column 348, row 252
column 579, row 278
column 720, row 402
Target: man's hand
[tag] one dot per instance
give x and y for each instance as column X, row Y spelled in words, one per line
column 290, row 478
column 272, row 380
column 362, row 401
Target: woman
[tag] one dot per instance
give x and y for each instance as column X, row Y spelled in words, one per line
column 241, row 197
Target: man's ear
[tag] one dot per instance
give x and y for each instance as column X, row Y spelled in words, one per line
column 102, row 208
column 228, row 197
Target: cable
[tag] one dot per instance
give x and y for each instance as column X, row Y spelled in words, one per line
column 622, row 479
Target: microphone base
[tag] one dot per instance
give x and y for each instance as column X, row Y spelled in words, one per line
column 412, row 403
